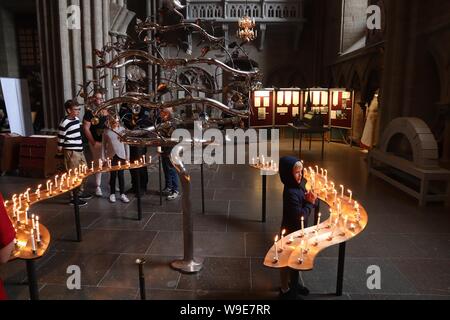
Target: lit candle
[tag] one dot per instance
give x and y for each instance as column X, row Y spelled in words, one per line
column 253, row 161
column 326, row 173
column 276, row 249
column 321, row 172
column 76, row 172
column 20, row 200
column 335, row 195
column 48, row 184
column 61, row 186
column 38, row 192
column 332, row 185
column 144, row 160
column 50, row 190
column 282, row 239
column 159, row 150
column 356, row 205
column 351, row 195
column 28, row 194
column 14, row 198
column 303, row 226
column 70, row 173
column 342, row 191
column 92, row 166
column 136, row 163
column 317, row 170
column 128, row 164
column 120, row 164
column 26, row 215
column 38, row 230
column 32, row 221
column 150, row 159
column 33, row 242
column 68, row 182
column 56, row 180
column 6, row 203
column 18, row 215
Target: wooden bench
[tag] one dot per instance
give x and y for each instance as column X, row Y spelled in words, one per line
column 386, row 166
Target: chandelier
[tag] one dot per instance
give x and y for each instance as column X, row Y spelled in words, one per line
column 246, row 30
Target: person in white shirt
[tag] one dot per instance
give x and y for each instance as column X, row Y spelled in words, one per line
column 117, row 151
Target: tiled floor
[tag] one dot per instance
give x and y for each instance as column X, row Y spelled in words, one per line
column 410, row 244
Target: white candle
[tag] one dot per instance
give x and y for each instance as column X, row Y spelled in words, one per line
column 303, row 226
column 18, row 215
column 150, row 159
column 253, row 161
column 335, row 195
column 332, row 185
column 144, row 160
column 282, row 239
column 342, row 191
column 120, row 164
column 159, row 150
column 317, row 170
column 20, row 200
column 50, row 190
column 38, row 230
column 276, row 249
column 32, row 221
column 38, row 192
column 351, row 195
column 26, row 216
column 128, row 164
column 28, row 194
column 70, row 173
column 326, row 173
column 48, row 185
column 321, row 172
column 6, row 203
column 356, row 205
column 33, row 241
column 56, row 180
column 76, row 172
column 92, row 166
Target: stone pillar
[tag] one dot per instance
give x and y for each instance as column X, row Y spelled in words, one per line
column 106, row 39
column 98, row 31
column 77, row 56
column 87, row 40
column 65, row 50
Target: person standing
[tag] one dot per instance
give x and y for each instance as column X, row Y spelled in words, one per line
column 7, row 235
column 117, row 151
column 71, row 144
column 93, row 131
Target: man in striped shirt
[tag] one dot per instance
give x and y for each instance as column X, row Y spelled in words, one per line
column 70, row 143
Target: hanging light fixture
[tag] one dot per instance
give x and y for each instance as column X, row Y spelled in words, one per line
column 246, row 30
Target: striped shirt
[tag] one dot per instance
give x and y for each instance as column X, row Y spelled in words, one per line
column 69, row 135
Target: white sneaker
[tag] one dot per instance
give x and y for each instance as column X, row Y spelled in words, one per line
column 98, row 192
column 173, row 196
column 112, row 198
column 124, row 198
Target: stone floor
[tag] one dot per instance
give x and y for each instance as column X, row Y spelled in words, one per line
column 410, row 244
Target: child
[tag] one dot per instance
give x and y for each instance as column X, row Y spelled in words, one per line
column 297, row 203
column 7, row 235
column 115, row 150
column 71, row 144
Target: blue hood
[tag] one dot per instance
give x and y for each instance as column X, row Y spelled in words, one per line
column 286, row 166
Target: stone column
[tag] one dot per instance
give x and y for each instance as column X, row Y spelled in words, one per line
column 76, row 56
column 98, row 31
column 87, row 40
column 106, row 39
column 65, row 50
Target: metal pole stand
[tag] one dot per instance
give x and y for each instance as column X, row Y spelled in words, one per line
column 140, row 263
column 138, row 194
column 341, row 265
column 189, row 264
column 264, row 201
column 203, row 187
column 160, row 180
column 32, row 280
column 76, row 201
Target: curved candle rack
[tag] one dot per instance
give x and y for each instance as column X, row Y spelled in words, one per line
column 28, row 229
column 347, row 220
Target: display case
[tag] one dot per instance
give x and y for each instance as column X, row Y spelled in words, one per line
column 262, row 108
column 287, row 106
column 317, row 100
column 342, row 103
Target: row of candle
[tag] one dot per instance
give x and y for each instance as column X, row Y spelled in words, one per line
column 261, row 163
column 60, row 183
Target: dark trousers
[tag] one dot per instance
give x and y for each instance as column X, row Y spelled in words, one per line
column 115, row 174
column 170, row 173
column 136, row 153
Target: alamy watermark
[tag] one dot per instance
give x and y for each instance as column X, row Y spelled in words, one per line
column 374, row 279
column 73, row 17
column 374, row 17
column 74, row 280
column 213, row 146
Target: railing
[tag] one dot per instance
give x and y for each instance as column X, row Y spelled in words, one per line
column 232, row 10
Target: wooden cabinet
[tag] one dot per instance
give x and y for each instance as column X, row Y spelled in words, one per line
column 38, row 156
column 9, row 152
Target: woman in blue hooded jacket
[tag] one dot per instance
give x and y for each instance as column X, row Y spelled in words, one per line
column 297, row 203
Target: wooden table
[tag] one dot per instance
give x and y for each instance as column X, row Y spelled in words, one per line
column 301, row 130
